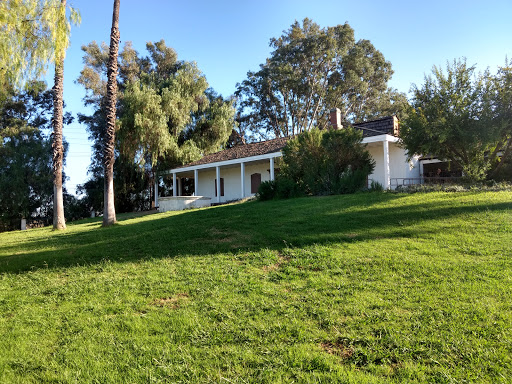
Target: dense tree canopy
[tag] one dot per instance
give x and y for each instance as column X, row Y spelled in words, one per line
column 502, row 102
column 312, row 70
column 463, row 117
column 32, row 34
column 167, row 114
column 25, row 154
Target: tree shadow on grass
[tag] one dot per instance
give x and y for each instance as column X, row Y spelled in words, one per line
column 237, row 228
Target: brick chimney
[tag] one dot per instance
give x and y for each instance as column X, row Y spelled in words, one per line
column 335, row 118
column 396, row 126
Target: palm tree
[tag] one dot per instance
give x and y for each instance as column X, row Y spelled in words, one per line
column 58, row 149
column 109, row 211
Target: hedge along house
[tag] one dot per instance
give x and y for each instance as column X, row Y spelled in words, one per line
column 237, row 172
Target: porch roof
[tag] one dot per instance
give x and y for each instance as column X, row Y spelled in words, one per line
column 239, row 154
column 255, row 152
column 242, row 151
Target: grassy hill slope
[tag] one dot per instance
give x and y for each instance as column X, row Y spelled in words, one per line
column 366, row 288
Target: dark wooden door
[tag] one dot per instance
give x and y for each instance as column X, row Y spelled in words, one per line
column 221, row 186
column 255, row 182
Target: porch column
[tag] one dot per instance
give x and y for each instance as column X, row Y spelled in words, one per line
column 242, row 178
column 387, row 181
column 180, row 192
column 271, row 168
column 156, row 191
column 174, row 185
column 196, row 182
column 217, row 180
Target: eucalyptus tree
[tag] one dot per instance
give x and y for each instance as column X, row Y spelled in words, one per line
column 310, row 71
column 167, row 115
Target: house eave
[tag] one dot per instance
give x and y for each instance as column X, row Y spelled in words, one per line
column 223, row 163
column 378, row 138
column 366, row 140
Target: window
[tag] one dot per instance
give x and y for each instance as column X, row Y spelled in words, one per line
column 221, row 186
column 255, row 182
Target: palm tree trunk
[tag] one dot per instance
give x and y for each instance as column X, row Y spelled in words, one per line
column 109, row 211
column 59, row 221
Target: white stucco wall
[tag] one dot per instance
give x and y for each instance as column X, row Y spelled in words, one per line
column 399, row 167
column 232, row 182
column 377, row 152
column 179, row 203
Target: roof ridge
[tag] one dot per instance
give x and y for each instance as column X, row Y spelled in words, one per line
column 379, row 119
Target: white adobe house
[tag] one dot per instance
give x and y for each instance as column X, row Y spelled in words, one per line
column 237, row 172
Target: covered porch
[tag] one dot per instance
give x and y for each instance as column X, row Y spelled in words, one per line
column 217, row 182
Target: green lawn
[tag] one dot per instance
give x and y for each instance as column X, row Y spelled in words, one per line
column 367, row 288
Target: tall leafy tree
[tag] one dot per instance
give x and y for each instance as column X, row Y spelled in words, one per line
column 25, row 154
column 167, row 115
column 34, row 33
column 109, row 212
column 502, row 116
column 310, row 71
column 460, row 116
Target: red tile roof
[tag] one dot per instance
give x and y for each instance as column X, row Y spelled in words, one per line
column 242, row 151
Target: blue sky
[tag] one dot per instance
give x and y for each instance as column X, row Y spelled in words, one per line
column 229, row 38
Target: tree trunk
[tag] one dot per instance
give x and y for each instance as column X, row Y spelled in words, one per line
column 59, row 221
column 109, row 211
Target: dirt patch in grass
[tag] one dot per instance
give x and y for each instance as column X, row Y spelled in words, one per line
column 338, row 348
column 271, row 268
column 344, row 349
column 281, row 259
column 235, row 238
column 172, row 302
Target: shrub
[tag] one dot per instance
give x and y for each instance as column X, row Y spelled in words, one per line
column 327, row 162
column 375, row 186
column 266, row 190
column 281, row 188
column 474, row 187
column 321, row 163
column 287, row 188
